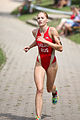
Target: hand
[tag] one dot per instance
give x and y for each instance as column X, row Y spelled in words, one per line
column 41, row 39
column 26, row 49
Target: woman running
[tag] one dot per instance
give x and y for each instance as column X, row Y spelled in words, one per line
column 47, row 40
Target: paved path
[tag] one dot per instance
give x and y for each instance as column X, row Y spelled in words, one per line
column 17, row 88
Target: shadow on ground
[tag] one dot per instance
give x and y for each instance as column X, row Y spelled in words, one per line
column 5, row 14
column 9, row 116
column 17, row 0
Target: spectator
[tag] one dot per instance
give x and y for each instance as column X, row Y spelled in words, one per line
column 55, row 2
column 25, row 7
column 69, row 25
column 62, row 3
column 64, row 20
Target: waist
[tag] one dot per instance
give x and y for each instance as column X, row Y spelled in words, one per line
column 45, row 50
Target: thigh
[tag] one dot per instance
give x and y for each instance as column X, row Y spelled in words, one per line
column 51, row 74
column 63, row 20
column 39, row 74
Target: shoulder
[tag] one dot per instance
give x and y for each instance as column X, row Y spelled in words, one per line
column 34, row 32
column 53, row 31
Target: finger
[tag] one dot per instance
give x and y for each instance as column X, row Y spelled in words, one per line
column 26, row 47
column 26, row 50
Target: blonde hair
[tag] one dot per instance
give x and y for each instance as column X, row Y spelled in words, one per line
column 45, row 13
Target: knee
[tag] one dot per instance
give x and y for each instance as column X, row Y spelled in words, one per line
column 40, row 91
column 65, row 24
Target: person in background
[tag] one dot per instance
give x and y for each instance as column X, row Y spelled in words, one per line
column 60, row 27
column 62, row 3
column 69, row 25
column 55, row 2
column 25, row 7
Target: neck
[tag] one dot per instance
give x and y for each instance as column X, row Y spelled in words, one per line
column 43, row 29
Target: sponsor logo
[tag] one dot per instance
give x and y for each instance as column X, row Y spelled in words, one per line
column 46, row 37
column 44, row 50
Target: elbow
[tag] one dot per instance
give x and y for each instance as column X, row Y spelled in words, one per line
column 61, row 49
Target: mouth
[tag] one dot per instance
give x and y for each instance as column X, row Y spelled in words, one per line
column 40, row 22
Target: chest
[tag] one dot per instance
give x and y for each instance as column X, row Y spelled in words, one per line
column 46, row 37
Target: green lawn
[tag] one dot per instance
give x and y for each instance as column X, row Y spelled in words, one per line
column 54, row 23
column 28, row 16
column 2, row 58
column 75, row 37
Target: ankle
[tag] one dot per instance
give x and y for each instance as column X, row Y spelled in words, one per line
column 54, row 93
column 54, row 90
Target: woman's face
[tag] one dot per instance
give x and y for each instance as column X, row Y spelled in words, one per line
column 41, row 19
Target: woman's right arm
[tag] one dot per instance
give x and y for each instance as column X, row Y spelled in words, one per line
column 33, row 44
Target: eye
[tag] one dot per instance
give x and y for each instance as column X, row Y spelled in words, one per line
column 38, row 18
column 42, row 17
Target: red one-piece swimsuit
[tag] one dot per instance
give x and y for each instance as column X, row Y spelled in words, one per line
column 46, row 54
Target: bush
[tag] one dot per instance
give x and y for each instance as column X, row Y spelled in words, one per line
column 77, row 2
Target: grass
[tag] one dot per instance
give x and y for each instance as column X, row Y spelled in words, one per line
column 2, row 58
column 75, row 37
column 54, row 23
column 28, row 16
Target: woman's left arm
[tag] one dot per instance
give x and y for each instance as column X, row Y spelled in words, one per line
column 57, row 45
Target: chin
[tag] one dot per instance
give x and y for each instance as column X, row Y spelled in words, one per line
column 41, row 25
